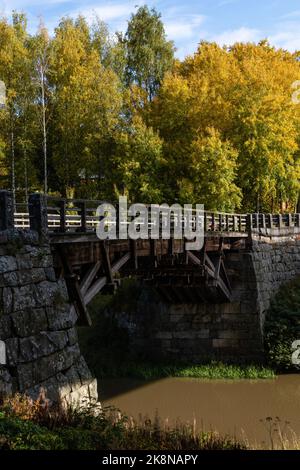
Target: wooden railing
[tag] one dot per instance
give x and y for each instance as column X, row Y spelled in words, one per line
column 78, row 215
column 58, row 215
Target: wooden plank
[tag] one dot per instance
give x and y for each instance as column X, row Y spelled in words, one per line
column 209, row 265
column 224, row 289
column 220, row 222
column 224, row 276
column 74, row 292
column 62, row 215
column 171, row 246
column 153, row 252
column 213, row 227
column 217, row 268
column 193, row 258
column 100, row 283
column 106, row 261
column 133, row 249
column 95, row 289
column 89, row 277
column 208, row 262
column 227, row 223
column 120, row 263
column 82, row 207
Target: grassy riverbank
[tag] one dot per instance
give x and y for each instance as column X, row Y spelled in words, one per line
column 34, row 425
column 201, row 371
column 27, row 425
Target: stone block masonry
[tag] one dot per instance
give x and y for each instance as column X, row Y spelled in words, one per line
column 230, row 331
column 37, row 324
column 275, row 261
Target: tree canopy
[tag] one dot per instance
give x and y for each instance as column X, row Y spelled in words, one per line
column 98, row 115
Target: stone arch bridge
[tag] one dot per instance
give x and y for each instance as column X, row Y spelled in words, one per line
column 212, row 302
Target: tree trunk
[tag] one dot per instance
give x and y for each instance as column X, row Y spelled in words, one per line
column 13, row 171
column 44, row 133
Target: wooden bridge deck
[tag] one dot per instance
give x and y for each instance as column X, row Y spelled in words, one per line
column 90, row 265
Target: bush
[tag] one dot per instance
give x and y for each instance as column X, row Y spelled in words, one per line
column 34, row 425
column 18, row 434
column 282, row 326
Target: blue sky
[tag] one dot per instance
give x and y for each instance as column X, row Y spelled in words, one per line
column 186, row 22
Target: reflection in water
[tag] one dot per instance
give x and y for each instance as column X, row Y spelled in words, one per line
column 233, row 407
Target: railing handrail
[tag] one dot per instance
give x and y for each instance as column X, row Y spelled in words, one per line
column 80, row 215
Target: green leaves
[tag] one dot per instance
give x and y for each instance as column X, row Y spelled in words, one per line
column 149, row 54
column 282, row 326
column 243, row 95
column 214, row 171
column 118, row 115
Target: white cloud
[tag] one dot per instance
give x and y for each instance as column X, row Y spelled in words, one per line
column 242, row 34
column 107, row 12
column 291, row 15
column 115, row 15
column 184, row 28
column 287, row 36
column 9, row 5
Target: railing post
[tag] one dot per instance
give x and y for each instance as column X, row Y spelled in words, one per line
column 82, row 206
column 227, row 223
column 38, row 217
column 6, row 210
column 213, row 222
column 234, row 223
column 249, row 224
column 220, row 223
column 240, row 223
column 255, row 222
column 263, row 221
column 62, row 215
column 271, row 220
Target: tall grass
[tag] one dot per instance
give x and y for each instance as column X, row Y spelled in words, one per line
column 34, row 425
column 213, row 370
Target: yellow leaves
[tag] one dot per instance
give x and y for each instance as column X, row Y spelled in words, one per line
column 214, row 165
column 236, row 99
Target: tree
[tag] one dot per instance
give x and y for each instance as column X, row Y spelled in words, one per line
column 98, row 116
column 149, row 54
column 40, row 53
column 138, row 160
column 265, row 127
column 214, row 173
column 244, row 93
column 14, row 73
column 86, row 107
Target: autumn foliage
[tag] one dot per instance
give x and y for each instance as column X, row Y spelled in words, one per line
column 103, row 116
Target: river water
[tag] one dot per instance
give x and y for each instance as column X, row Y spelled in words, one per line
column 232, row 407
